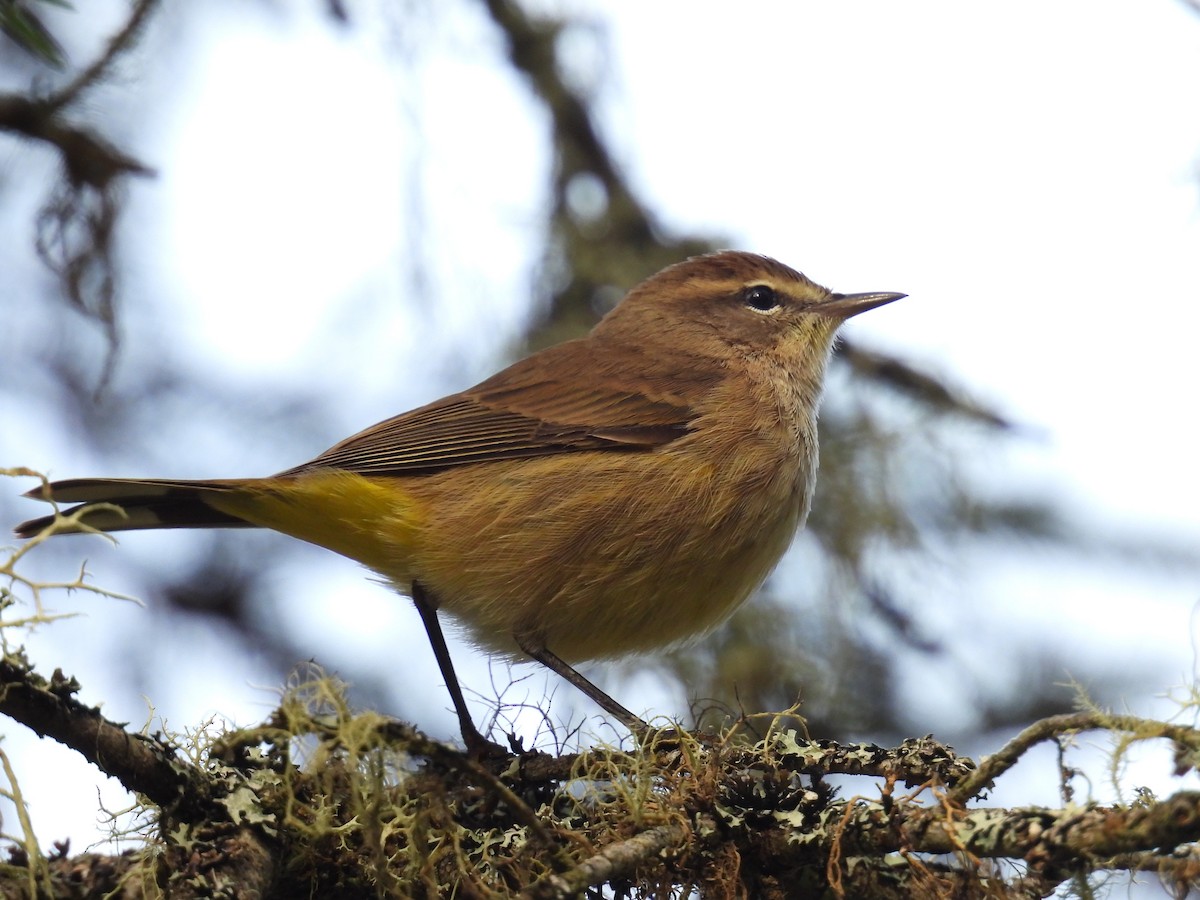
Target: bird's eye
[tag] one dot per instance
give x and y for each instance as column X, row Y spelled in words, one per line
column 761, row 298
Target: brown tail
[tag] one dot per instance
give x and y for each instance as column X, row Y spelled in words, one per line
column 143, row 504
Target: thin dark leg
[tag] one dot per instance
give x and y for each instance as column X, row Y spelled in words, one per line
column 551, row 661
column 477, row 744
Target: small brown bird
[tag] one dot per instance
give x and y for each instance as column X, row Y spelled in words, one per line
column 607, row 495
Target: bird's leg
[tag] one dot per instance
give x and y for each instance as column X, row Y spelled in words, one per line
column 556, row 664
column 477, row 745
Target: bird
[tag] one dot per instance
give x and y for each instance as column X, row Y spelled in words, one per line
column 609, row 495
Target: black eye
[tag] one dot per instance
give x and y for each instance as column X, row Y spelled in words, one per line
column 761, row 298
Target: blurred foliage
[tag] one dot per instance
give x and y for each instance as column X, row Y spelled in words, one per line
column 20, row 23
column 892, row 487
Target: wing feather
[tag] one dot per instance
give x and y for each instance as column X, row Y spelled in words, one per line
column 564, row 399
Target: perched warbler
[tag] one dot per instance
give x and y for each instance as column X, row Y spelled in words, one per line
column 611, row 494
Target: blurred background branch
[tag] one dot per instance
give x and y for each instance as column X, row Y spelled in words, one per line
column 77, row 225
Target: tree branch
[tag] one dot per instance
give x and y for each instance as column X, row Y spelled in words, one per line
column 1187, row 745
column 141, row 763
column 614, row 861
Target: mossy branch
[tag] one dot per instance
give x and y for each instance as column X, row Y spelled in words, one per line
column 320, row 791
column 1185, row 739
column 144, row 764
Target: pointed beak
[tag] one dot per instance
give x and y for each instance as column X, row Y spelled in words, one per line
column 843, row 306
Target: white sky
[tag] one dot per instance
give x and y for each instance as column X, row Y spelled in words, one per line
column 1025, row 172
